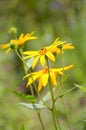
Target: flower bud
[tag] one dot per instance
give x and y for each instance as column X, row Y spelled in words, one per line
column 13, row 30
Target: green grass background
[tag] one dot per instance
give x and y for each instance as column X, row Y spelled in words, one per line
column 49, row 19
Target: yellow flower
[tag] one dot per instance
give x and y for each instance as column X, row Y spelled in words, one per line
column 20, row 41
column 56, row 47
column 40, row 54
column 59, row 46
column 43, row 76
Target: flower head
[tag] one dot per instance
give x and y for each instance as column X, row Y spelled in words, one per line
column 59, row 46
column 40, row 54
column 43, row 76
column 20, row 41
column 56, row 47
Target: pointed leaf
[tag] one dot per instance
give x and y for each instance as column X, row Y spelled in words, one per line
column 29, row 62
column 33, row 106
column 65, row 78
column 64, row 93
column 81, row 87
column 25, row 96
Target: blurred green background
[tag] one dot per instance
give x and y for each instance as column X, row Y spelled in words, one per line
column 49, row 19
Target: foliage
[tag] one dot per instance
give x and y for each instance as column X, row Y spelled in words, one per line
column 48, row 19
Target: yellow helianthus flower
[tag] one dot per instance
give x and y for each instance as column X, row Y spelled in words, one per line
column 56, row 47
column 20, row 41
column 59, row 46
column 43, row 76
column 40, row 54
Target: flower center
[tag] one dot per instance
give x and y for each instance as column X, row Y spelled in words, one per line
column 45, row 70
column 43, row 51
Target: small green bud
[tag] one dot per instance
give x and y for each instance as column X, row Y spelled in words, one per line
column 13, row 30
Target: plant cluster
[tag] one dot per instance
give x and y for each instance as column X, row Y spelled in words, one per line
column 47, row 76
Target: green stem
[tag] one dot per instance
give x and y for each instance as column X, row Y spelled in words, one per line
column 66, row 112
column 53, row 115
column 38, row 112
column 57, row 119
column 55, row 99
column 40, row 96
column 50, row 87
column 19, row 54
column 61, row 86
column 52, row 96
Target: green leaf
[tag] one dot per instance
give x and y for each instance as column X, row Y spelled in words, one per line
column 64, row 93
column 22, row 128
column 29, row 97
column 65, row 78
column 81, row 87
column 47, row 96
column 33, row 106
column 29, row 62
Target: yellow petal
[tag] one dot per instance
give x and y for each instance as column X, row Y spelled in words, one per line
column 5, row 45
column 39, row 84
column 29, row 36
column 35, row 62
column 62, row 69
column 68, row 67
column 55, row 50
column 27, row 57
column 60, row 73
column 42, row 60
column 30, row 53
column 27, row 75
column 53, row 78
column 50, row 56
column 32, row 33
column 32, row 79
column 56, row 41
column 45, row 79
column 8, row 51
column 68, row 46
column 21, row 36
